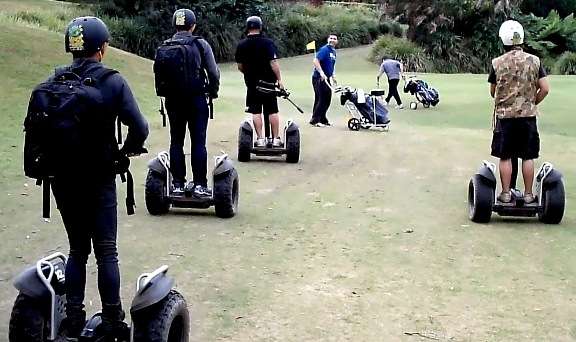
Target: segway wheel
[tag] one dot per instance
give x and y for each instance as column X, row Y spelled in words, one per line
column 157, row 202
column 354, row 124
column 480, row 200
column 28, row 321
column 413, row 105
column 293, row 147
column 245, row 144
column 553, row 203
column 226, row 192
column 166, row 321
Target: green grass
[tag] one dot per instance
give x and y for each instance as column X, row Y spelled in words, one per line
column 319, row 249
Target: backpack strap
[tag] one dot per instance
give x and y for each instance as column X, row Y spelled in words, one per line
column 130, row 202
column 45, row 197
column 125, row 175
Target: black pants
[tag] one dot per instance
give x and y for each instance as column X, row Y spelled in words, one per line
column 322, row 99
column 393, row 91
column 192, row 112
column 90, row 218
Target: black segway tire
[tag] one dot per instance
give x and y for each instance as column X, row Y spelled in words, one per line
column 293, row 147
column 28, row 321
column 245, row 144
column 226, row 192
column 157, row 202
column 553, row 203
column 165, row 321
column 480, row 200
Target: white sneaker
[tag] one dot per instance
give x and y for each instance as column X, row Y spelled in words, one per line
column 399, row 106
column 260, row 142
column 277, row 142
column 320, row 125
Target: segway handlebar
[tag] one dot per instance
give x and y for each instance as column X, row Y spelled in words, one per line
column 272, row 88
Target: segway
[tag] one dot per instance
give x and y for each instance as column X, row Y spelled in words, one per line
column 160, row 197
column 550, row 196
column 291, row 148
column 158, row 312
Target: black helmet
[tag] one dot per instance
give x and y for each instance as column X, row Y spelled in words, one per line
column 254, row 23
column 183, row 19
column 85, row 35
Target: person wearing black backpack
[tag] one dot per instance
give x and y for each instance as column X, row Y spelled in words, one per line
column 70, row 144
column 186, row 74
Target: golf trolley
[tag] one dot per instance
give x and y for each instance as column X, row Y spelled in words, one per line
column 366, row 110
column 158, row 312
column 159, row 195
column 550, row 197
column 246, row 134
column 423, row 94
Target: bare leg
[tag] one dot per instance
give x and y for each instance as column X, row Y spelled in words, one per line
column 505, row 174
column 257, row 119
column 528, row 173
column 275, row 123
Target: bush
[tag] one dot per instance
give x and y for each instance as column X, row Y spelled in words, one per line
column 392, row 27
column 293, row 26
column 566, row 64
column 412, row 55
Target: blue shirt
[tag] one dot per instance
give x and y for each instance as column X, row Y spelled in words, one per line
column 327, row 58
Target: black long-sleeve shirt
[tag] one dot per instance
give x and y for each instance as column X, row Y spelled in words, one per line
column 119, row 98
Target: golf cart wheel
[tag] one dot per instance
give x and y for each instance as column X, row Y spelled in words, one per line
column 553, row 203
column 480, row 200
column 293, row 147
column 165, row 321
column 426, row 105
column 354, row 124
column 413, row 105
column 28, row 322
column 226, row 192
column 157, row 202
column 245, row 144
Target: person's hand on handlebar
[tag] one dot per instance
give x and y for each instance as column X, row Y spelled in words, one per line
column 281, row 85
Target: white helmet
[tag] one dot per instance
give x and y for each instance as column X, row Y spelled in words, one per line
column 512, row 33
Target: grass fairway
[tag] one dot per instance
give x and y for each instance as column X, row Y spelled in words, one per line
column 320, row 250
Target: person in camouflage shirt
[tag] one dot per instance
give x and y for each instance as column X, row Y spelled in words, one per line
column 518, row 84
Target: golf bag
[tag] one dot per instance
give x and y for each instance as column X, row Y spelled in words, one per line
column 423, row 93
column 366, row 107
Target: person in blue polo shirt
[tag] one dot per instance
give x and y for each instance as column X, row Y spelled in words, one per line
column 322, row 80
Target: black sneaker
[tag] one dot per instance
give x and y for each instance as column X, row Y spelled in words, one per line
column 113, row 327
column 117, row 331
column 178, row 190
column 202, row 191
column 72, row 325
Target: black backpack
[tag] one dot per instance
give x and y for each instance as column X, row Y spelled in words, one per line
column 65, row 122
column 176, row 71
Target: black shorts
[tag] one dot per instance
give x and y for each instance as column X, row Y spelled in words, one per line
column 258, row 102
column 516, row 138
